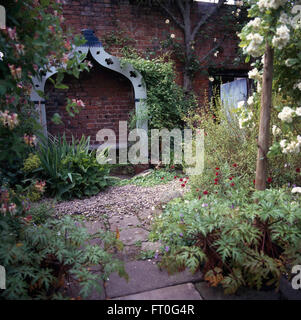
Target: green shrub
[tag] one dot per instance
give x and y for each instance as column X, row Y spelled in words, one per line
column 166, row 102
column 40, row 253
column 31, row 163
column 71, row 170
column 225, row 142
column 232, row 239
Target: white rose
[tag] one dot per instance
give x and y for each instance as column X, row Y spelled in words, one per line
column 276, row 131
column 286, row 114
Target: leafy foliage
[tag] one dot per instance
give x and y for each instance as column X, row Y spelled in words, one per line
column 155, row 177
column 166, row 101
column 40, row 253
column 71, row 170
column 234, row 240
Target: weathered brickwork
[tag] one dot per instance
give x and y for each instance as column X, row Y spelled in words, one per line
column 108, row 96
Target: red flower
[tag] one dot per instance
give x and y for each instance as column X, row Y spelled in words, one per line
column 162, row 178
column 172, row 167
column 253, row 181
column 230, row 178
column 183, row 185
column 205, row 192
column 232, row 184
column 216, row 179
column 269, row 180
column 235, row 165
column 215, row 182
column 197, row 190
column 181, row 179
column 28, row 218
column 216, row 168
column 216, row 173
column 175, row 177
column 298, row 170
column 200, row 197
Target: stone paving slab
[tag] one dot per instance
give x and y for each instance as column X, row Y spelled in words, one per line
column 150, row 246
column 185, row 291
column 130, row 236
column 145, row 276
column 217, row 293
column 287, row 292
column 123, row 222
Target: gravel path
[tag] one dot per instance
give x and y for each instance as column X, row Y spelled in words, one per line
column 119, row 200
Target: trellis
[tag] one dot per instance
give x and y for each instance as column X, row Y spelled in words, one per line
column 106, row 60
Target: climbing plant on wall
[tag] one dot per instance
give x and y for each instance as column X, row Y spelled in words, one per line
column 181, row 14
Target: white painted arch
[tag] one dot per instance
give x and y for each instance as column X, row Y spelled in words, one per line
column 106, row 60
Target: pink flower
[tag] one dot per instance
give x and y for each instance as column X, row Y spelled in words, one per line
column 12, row 33
column 30, row 140
column 40, row 186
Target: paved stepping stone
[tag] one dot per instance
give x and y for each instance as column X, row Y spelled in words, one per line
column 287, row 292
column 131, row 236
column 124, row 222
column 145, row 276
column 185, row 291
column 146, row 246
column 217, row 293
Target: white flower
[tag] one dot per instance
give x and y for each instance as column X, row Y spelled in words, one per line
column 292, row 147
column 284, row 18
column 282, row 37
column 270, row 4
column 250, row 100
column 254, row 48
column 254, row 74
column 298, row 86
column 172, row 35
column 298, row 112
column 216, row 53
column 240, row 104
column 1, row 56
column 211, row 79
column 286, row 114
column 283, row 143
column 167, row 21
column 276, row 131
column 255, row 24
column 296, row 190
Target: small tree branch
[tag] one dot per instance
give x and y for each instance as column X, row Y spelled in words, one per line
column 206, row 17
column 171, row 15
column 181, row 7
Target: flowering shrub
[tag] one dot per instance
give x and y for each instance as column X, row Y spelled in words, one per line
column 276, row 23
column 41, row 253
column 37, row 250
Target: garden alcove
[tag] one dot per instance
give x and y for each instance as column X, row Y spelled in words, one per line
column 107, row 69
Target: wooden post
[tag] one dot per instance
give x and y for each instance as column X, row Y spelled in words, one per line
column 264, row 123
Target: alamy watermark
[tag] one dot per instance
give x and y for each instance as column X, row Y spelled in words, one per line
column 296, row 280
column 2, row 278
column 2, row 17
column 188, row 147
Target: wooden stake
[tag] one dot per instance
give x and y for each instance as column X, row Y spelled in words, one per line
column 264, row 123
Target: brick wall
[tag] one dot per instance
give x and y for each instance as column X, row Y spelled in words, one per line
column 109, row 97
